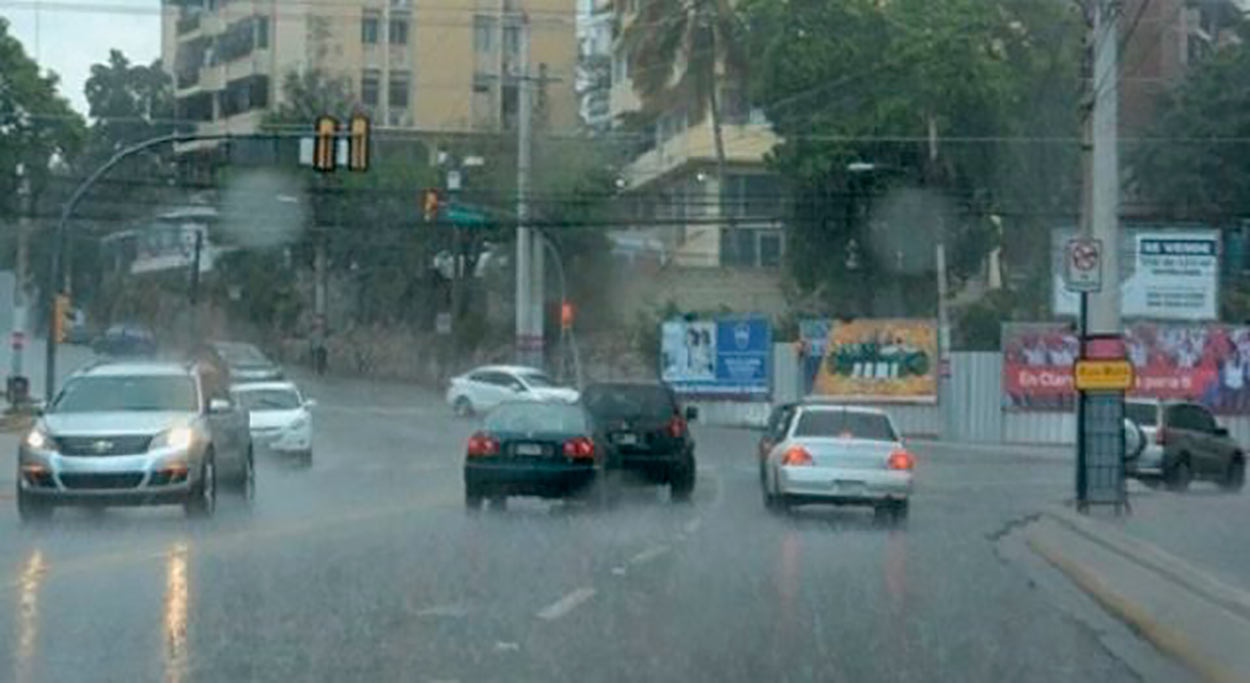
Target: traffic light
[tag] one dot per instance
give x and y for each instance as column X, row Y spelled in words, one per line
column 62, row 318
column 358, row 143
column 429, row 204
column 324, row 144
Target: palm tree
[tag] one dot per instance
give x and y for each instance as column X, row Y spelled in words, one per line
column 679, row 51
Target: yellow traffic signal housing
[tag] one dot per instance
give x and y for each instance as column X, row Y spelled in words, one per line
column 358, row 143
column 324, row 152
column 61, row 318
column 429, row 204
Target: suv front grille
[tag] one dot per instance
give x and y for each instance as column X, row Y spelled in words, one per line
column 102, row 446
column 122, row 480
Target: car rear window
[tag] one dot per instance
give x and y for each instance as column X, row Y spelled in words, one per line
column 622, row 401
column 537, row 417
column 1143, row 414
column 844, row 424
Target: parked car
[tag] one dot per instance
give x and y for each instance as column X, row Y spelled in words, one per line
column 246, row 362
column 645, row 432
column 533, row 448
column 125, row 339
column 279, row 416
column 486, row 387
column 839, row 455
column 134, row 433
column 1181, row 442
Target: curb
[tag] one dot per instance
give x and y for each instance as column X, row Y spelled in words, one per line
column 1161, row 597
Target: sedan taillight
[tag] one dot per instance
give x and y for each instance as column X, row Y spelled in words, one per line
column 677, row 427
column 482, row 445
column 901, row 460
column 796, row 456
column 579, row 448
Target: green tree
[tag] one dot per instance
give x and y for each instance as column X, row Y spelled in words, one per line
column 944, row 96
column 128, row 102
column 682, row 53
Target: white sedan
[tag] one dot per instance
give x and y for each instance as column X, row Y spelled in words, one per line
column 484, row 388
column 838, row 455
column 280, row 419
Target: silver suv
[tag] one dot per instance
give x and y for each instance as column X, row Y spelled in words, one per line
column 135, row 433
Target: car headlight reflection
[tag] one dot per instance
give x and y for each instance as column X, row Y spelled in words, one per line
column 36, row 439
column 179, row 438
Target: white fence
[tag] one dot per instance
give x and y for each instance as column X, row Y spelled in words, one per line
column 972, row 413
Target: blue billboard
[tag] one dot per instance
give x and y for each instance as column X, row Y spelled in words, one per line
column 725, row 357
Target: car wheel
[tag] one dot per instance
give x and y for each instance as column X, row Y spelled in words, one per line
column 1235, row 477
column 681, row 482
column 29, row 509
column 473, row 500
column 1180, row 475
column 202, row 501
column 463, row 407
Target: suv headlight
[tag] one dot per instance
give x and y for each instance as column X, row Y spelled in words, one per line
column 37, row 439
column 178, row 438
column 298, row 423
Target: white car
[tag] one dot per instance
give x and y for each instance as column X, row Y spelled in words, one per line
column 838, row 455
column 486, row 387
column 280, row 417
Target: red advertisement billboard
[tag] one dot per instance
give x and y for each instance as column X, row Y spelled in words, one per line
column 1208, row 363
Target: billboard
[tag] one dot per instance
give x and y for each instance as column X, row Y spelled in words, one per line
column 872, row 360
column 726, row 357
column 1170, row 274
column 1207, row 363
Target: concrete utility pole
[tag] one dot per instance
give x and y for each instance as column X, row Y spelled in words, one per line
column 529, row 319
column 20, row 270
column 1104, row 306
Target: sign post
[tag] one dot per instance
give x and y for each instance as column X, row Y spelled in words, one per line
column 1102, row 375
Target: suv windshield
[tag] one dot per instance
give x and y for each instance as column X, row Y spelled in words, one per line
column 619, row 401
column 268, row 399
column 844, row 424
column 107, row 394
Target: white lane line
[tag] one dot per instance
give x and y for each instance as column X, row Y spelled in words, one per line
column 566, row 604
column 618, row 571
column 649, row 554
column 693, row 525
column 453, row 611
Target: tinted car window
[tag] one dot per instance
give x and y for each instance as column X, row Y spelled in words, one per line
column 241, row 354
column 537, row 379
column 843, row 424
column 537, row 417
column 105, row 394
column 1143, row 414
column 620, row 400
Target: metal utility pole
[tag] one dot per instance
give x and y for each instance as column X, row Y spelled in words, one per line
column 193, row 295
column 945, row 399
column 319, row 305
column 528, row 329
column 21, row 266
column 1104, row 306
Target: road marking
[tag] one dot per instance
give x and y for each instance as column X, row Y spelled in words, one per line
column 618, row 571
column 649, row 554
column 566, row 604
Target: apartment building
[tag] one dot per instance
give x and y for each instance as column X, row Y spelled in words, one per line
column 672, row 181
column 444, row 66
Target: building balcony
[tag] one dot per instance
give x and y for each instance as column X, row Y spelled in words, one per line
column 745, row 143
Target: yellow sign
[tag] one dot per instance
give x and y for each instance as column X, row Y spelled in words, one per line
column 1104, row 375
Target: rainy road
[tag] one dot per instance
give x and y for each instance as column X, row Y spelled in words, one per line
column 366, row 567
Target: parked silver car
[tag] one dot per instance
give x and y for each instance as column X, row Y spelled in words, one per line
column 838, row 455
column 1176, row 443
column 135, row 433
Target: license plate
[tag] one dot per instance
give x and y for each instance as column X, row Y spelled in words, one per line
column 627, row 439
column 530, row 449
column 849, row 488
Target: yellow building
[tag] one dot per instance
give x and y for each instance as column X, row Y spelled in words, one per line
column 444, row 66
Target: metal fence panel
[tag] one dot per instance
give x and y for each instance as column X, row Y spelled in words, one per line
column 974, row 411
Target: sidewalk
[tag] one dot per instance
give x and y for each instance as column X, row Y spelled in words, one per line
column 1180, row 608
column 1027, row 452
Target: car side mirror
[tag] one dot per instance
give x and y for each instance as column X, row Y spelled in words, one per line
column 692, row 413
column 217, row 406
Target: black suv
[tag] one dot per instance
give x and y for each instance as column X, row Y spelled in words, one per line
column 645, row 432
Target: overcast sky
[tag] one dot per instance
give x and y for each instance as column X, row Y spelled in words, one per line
column 68, row 36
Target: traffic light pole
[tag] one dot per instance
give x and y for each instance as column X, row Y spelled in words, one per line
column 53, row 286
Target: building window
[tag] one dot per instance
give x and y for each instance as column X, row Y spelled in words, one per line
column 481, row 83
column 620, row 66
column 770, row 248
column 369, row 29
column 483, row 34
column 397, row 90
column 512, row 40
column 262, row 32
column 397, row 31
column 756, row 195
column 370, row 82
